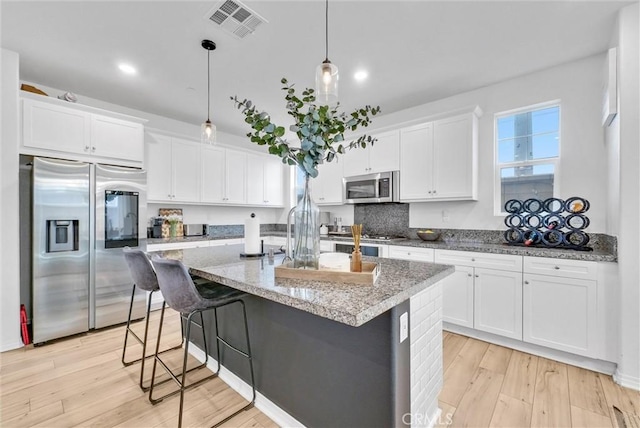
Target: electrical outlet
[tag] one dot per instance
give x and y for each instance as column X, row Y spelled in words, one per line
column 445, row 216
column 404, row 326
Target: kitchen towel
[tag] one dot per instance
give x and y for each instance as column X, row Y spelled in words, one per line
column 252, row 235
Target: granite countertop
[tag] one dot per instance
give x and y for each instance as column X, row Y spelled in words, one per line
column 349, row 304
column 595, row 255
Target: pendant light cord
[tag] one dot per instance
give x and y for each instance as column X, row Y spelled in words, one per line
column 326, row 31
column 208, row 85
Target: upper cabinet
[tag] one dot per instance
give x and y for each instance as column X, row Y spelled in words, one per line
column 264, row 180
column 171, row 176
column 439, row 159
column 326, row 188
column 186, row 171
column 382, row 156
column 57, row 128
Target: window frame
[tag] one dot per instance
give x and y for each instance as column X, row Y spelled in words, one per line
column 498, row 208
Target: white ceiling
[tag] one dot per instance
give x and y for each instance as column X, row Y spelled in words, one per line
column 414, row 51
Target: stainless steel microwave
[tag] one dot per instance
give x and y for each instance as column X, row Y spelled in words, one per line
column 372, row 188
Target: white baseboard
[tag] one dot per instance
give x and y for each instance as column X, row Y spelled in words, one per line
column 599, row 366
column 11, row 346
column 435, row 420
column 266, row 406
column 626, row 381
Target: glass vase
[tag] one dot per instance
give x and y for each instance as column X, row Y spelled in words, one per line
column 306, row 253
column 173, row 229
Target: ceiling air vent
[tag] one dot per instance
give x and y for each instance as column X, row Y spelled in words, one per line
column 236, row 18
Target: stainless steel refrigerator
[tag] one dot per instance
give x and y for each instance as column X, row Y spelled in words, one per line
column 82, row 216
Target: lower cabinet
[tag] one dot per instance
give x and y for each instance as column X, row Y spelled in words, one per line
column 482, row 296
column 411, row 253
column 498, row 302
column 457, row 297
column 561, row 313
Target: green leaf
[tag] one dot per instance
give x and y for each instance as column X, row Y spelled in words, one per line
column 279, row 132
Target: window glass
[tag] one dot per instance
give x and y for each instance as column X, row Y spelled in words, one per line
column 527, row 149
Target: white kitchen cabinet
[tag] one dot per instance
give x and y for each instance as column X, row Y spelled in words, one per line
column 457, row 297
column 560, row 311
column 224, row 176
column 171, row 176
column 54, row 127
column 264, row 180
column 326, row 188
column 115, row 138
column 58, row 128
column 438, row 159
column 411, row 253
column 382, row 156
column 485, row 293
column 497, row 303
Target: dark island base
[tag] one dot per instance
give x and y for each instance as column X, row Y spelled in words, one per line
column 321, row 372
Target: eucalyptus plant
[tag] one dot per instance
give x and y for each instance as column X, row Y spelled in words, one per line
column 320, row 129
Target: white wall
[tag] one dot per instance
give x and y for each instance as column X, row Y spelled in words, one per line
column 9, row 248
column 583, row 169
column 625, row 138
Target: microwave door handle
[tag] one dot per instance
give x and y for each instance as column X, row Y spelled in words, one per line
column 377, row 186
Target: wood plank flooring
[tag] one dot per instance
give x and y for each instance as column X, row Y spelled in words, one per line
column 80, row 381
column 487, row 385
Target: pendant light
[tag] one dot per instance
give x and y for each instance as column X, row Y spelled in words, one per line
column 208, row 134
column 326, row 72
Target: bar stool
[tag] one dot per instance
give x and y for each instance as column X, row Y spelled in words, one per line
column 144, row 277
column 189, row 298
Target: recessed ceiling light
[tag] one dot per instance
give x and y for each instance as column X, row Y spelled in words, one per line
column 127, row 69
column 361, row 75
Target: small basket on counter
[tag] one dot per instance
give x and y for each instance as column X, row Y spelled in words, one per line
column 428, row 235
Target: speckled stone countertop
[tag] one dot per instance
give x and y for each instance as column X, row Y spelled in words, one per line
column 349, row 304
column 595, row 255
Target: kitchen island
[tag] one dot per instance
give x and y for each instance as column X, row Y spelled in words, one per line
column 333, row 354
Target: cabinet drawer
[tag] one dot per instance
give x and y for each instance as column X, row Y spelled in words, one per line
column 481, row 260
column 411, row 253
column 558, row 267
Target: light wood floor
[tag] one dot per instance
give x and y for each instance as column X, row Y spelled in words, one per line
column 80, row 382
column 487, row 385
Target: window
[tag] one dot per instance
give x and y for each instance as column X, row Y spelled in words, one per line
column 527, row 153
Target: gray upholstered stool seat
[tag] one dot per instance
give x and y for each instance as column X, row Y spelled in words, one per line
column 144, row 278
column 189, row 298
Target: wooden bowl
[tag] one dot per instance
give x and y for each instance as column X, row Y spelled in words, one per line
column 429, row 236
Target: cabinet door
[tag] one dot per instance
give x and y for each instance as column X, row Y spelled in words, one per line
column 186, row 174
column 457, row 297
column 158, row 166
column 57, row 128
column 454, row 157
column 326, row 188
column 273, row 182
column 416, row 157
column 115, row 138
column 560, row 313
column 356, row 161
column 384, row 155
column 235, row 177
column 213, row 174
column 255, row 180
column 498, row 302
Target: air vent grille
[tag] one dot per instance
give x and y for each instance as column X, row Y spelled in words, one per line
column 235, row 18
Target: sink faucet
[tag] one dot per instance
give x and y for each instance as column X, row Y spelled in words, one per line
column 288, row 251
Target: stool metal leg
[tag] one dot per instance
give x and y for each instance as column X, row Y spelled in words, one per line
column 143, row 341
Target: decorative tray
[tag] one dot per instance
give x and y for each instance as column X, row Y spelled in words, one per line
column 368, row 276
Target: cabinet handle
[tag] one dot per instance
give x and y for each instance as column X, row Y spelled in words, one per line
column 477, row 276
column 526, row 282
column 434, row 192
column 86, row 148
column 408, row 254
column 169, row 196
column 473, row 260
column 429, row 191
column 469, row 275
column 93, row 149
column 556, row 267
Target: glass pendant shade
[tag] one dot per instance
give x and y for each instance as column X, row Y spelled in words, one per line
column 208, row 133
column 327, row 83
